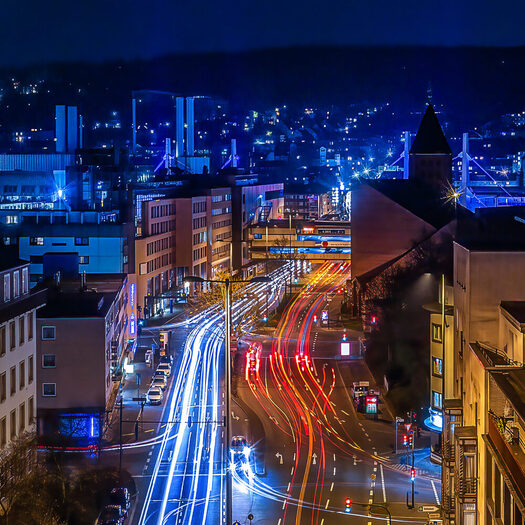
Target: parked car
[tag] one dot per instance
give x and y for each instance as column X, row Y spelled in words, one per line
column 159, row 381
column 111, row 515
column 120, row 496
column 154, row 395
column 165, row 367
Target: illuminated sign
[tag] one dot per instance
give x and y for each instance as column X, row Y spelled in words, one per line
column 132, row 293
column 132, row 325
column 324, row 315
column 345, row 349
column 371, row 404
column 308, row 229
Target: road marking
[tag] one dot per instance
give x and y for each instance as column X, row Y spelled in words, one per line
column 435, row 492
column 371, row 492
column 332, row 487
column 334, row 457
column 322, row 521
column 291, row 473
column 279, row 522
column 284, row 504
column 383, row 483
column 288, row 489
column 334, row 470
column 375, row 462
column 327, row 502
column 375, row 469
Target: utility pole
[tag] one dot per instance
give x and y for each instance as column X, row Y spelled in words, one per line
column 120, row 427
column 413, row 466
column 227, row 379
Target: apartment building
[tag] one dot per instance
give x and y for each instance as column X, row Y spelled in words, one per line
column 483, row 412
column 84, row 341
column 18, row 391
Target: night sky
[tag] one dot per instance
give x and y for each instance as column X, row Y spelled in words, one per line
column 36, row 31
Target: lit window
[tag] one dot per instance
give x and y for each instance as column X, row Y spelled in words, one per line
column 437, row 366
column 437, row 399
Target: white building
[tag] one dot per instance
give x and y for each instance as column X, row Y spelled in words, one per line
column 17, row 349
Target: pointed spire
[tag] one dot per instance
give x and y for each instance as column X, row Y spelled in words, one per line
column 430, row 138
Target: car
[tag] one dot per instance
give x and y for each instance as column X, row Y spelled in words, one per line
column 166, row 359
column 239, row 445
column 159, row 373
column 154, row 395
column 165, row 367
column 159, row 381
column 120, row 495
column 111, row 515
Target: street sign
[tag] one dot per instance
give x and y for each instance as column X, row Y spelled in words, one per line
column 345, row 349
column 408, row 426
column 429, row 508
column 371, row 404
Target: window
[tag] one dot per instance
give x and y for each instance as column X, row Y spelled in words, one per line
column 437, row 366
column 2, row 341
column 12, row 384
column 437, row 333
column 16, row 284
column 25, row 280
column 30, row 321
column 7, row 287
column 36, row 241
column 22, row 417
column 83, row 259
column 21, row 329
column 11, row 219
column 81, row 241
column 49, row 361
column 30, row 368
column 437, row 399
column 30, row 410
column 12, row 430
column 3, row 432
column 49, row 389
column 12, row 335
column 3, row 387
column 22, row 374
column 48, row 333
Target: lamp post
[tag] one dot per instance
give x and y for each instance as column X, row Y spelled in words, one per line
column 227, row 372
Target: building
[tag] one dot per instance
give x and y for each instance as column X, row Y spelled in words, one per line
column 155, row 256
column 390, row 217
column 18, row 385
column 483, row 417
column 85, row 339
column 72, row 242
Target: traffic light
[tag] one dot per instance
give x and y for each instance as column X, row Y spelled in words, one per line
column 405, row 440
column 412, row 474
column 348, row 504
column 344, row 336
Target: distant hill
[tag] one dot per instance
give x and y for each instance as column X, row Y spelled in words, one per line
column 475, row 84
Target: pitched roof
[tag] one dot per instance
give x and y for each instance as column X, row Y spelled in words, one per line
column 430, row 137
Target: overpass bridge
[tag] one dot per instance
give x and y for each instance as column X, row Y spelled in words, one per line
column 301, row 239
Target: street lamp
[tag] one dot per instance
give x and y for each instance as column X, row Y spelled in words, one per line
column 227, row 369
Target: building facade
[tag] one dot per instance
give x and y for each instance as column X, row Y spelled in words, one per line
column 18, row 384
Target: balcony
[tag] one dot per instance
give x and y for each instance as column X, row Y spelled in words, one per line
column 510, row 454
